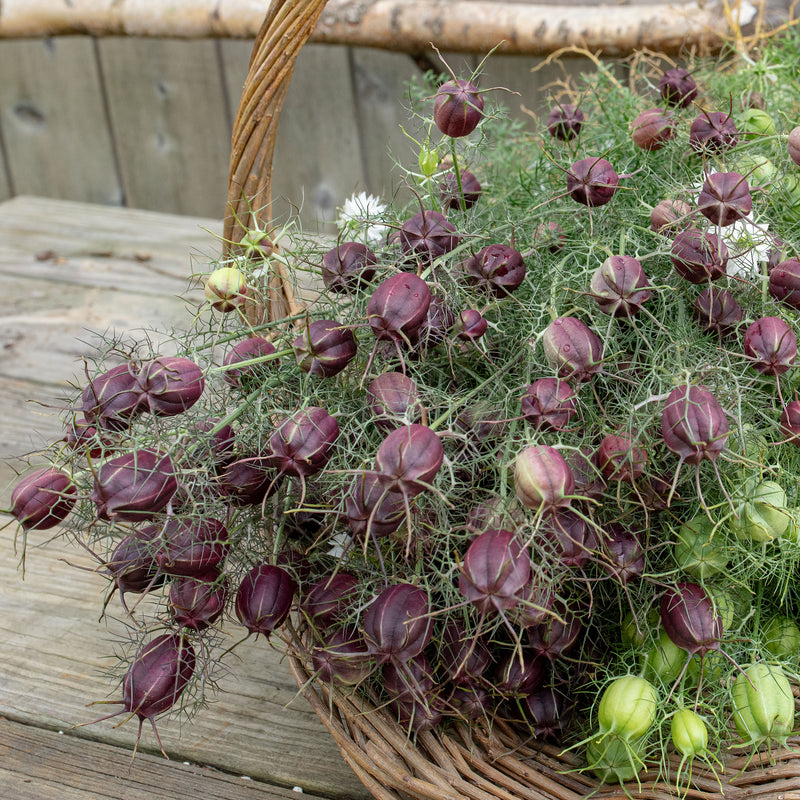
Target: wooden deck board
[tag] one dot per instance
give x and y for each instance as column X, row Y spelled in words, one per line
column 55, row 653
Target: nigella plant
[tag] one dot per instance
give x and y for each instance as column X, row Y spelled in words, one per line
column 452, row 454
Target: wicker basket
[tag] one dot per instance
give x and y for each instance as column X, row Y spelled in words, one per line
column 464, row 762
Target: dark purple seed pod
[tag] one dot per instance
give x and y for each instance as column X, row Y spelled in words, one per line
column 497, row 269
column 457, row 108
column 771, row 345
column 713, row 130
column 677, row 87
column 624, row 552
column 330, row 598
column 588, row 479
column 689, row 619
column 398, row 308
column 554, row 637
column 192, row 547
column 543, row 479
column 620, row 286
column 132, row 564
column 621, row 459
column 496, row 567
column 428, row 235
column 466, row 197
column 303, row 442
column 408, row 459
column 371, row 509
column 419, row 717
column 409, row 681
column 348, row 267
column 393, row 400
column 134, row 487
column 547, row 712
column 170, row 384
column 112, row 399
column 439, row 321
column 549, row 404
column 573, row 349
column 784, row 282
column 472, row 702
column 725, row 198
column 699, row 257
column 652, row 129
column 790, row 422
column 471, row 325
column 592, row 182
column 465, row 658
column 564, row 121
column 82, row 435
column 248, row 481
column 324, row 348
column 397, row 624
column 572, row 541
column 519, row 673
column 247, row 349
column 43, row 499
column 219, row 443
column 342, row 657
column 717, row 310
column 157, row 677
column 536, row 599
column 549, row 235
column 197, row 602
column 670, row 216
column 264, row 598
column 693, row 424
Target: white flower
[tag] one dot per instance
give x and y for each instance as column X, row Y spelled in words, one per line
column 748, row 247
column 339, row 544
column 358, row 219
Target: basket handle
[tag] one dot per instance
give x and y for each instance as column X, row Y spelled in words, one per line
column 285, row 29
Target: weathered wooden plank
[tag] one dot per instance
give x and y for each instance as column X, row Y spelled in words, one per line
column 55, row 654
column 39, row 764
column 168, row 115
column 318, row 160
column 54, row 124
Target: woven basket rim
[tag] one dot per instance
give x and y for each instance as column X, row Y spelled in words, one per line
column 472, row 762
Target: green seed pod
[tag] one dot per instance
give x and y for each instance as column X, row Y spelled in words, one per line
column 759, row 170
column 762, row 515
column 699, row 549
column 755, row 122
column 428, row 161
column 613, row 759
column 628, row 707
column 633, row 635
column 226, row 289
column 715, row 668
column 781, row 638
column 724, row 604
column 763, row 705
column 689, row 733
column 663, row 661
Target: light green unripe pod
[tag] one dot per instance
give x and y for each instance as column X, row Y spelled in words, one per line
column 762, row 516
column 763, row 705
column 781, row 637
column 613, row 759
column 699, row 549
column 628, row 707
column 689, row 733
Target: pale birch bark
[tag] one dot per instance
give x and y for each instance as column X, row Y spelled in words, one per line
column 407, row 25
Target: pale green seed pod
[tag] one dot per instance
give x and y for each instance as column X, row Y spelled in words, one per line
column 763, row 705
column 664, row 660
column 628, row 707
column 781, row 637
column 689, row 733
column 613, row 759
column 763, row 515
column 699, row 549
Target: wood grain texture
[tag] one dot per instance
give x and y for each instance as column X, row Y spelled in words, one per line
column 168, row 114
column 54, row 125
column 55, row 654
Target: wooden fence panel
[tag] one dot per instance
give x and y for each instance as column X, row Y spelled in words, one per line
column 54, row 124
column 169, row 123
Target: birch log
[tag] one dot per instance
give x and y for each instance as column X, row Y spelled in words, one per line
column 405, row 25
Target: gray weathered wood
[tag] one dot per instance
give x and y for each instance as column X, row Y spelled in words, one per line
column 54, row 124
column 168, row 114
column 55, row 653
column 318, row 161
column 40, row 764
